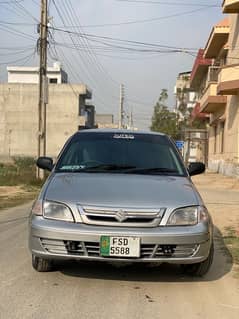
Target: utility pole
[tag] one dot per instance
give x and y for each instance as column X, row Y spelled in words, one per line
column 131, row 123
column 121, row 106
column 42, row 84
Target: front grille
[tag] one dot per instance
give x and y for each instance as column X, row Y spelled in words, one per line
column 167, row 251
column 123, row 217
column 92, row 249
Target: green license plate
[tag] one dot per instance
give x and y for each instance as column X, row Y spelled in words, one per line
column 120, row 246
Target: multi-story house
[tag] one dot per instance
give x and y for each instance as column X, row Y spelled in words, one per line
column 216, row 81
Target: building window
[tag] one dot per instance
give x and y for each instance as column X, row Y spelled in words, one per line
column 53, row 80
column 222, row 137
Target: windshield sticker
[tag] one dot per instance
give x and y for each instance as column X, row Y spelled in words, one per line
column 124, row 136
column 72, row 167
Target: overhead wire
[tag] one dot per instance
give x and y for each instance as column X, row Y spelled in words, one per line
column 17, row 23
column 11, row 1
column 169, row 3
column 16, row 32
column 102, row 69
column 140, row 21
column 83, row 59
column 15, row 48
column 90, row 54
column 16, row 52
column 24, row 10
column 73, row 70
column 20, row 59
column 135, row 43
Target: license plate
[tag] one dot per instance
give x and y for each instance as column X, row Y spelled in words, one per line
column 120, row 246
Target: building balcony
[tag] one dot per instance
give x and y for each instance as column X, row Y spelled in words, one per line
column 230, row 6
column 196, row 114
column 211, row 102
column 217, row 40
column 200, row 68
column 228, row 80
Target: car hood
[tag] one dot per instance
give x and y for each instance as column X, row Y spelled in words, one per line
column 121, row 190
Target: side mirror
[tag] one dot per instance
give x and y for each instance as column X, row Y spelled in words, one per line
column 45, row 163
column 196, row 168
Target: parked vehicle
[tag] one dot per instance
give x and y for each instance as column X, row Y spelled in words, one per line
column 120, row 196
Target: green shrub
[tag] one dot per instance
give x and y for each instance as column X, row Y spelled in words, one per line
column 21, row 172
column 24, row 162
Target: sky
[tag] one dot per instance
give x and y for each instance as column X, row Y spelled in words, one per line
column 82, row 37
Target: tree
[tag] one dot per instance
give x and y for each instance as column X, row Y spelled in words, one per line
column 164, row 120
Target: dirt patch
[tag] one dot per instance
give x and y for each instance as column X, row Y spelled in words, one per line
column 11, row 196
column 221, row 196
column 218, row 181
column 8, row 191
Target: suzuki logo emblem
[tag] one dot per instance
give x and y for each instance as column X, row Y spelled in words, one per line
column 121, row 215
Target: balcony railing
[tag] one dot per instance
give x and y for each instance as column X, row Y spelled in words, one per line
column 211, row 102
column 212, row 77
column 213, row 72
column 230, row 6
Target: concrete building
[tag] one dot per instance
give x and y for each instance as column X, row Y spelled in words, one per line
column 183, row 92
column 19, row 117
column 24, row 74
column 216, row 81
column 184, row 95
column 105, row 121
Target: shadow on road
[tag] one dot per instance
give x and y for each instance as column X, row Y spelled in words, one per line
column 222, row 265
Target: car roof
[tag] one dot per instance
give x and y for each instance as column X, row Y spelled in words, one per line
column 119, row 131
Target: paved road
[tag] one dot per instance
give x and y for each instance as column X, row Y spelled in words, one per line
column 81, row 290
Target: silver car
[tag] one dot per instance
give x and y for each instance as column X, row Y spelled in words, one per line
column 120, row 196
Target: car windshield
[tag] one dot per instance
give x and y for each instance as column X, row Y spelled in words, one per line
column 129, row 153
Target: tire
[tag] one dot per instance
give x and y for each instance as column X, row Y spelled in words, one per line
column 41, row 264
column 200, row 269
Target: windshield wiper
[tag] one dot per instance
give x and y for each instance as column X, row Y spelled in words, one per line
column 153, row 170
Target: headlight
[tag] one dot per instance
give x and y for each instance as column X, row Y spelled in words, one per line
column 52, row 210
column 187, row 216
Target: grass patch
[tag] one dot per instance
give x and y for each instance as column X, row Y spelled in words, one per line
column 21, row 172
column 231, row 239
column 18, row 182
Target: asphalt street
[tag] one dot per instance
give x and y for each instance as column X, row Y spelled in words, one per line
column 93, row 290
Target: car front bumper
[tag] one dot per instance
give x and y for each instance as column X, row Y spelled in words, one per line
column 61, row 240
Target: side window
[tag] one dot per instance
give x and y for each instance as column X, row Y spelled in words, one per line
column 73, row 155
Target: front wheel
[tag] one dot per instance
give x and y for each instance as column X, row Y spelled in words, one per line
column 200, row 269
column 41, row 264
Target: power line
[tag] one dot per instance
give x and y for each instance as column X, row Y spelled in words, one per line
column 135, row 43
column 86, row 70
column 171, row 3
column 180, row 14
column 12, row 10
column 16, row 52
column 16, row 32
column 16, row 48
column 27, row 13
column 86, row 58
column 101, row 69
column 11, row 1
column 17, row 23
column 18, row 60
